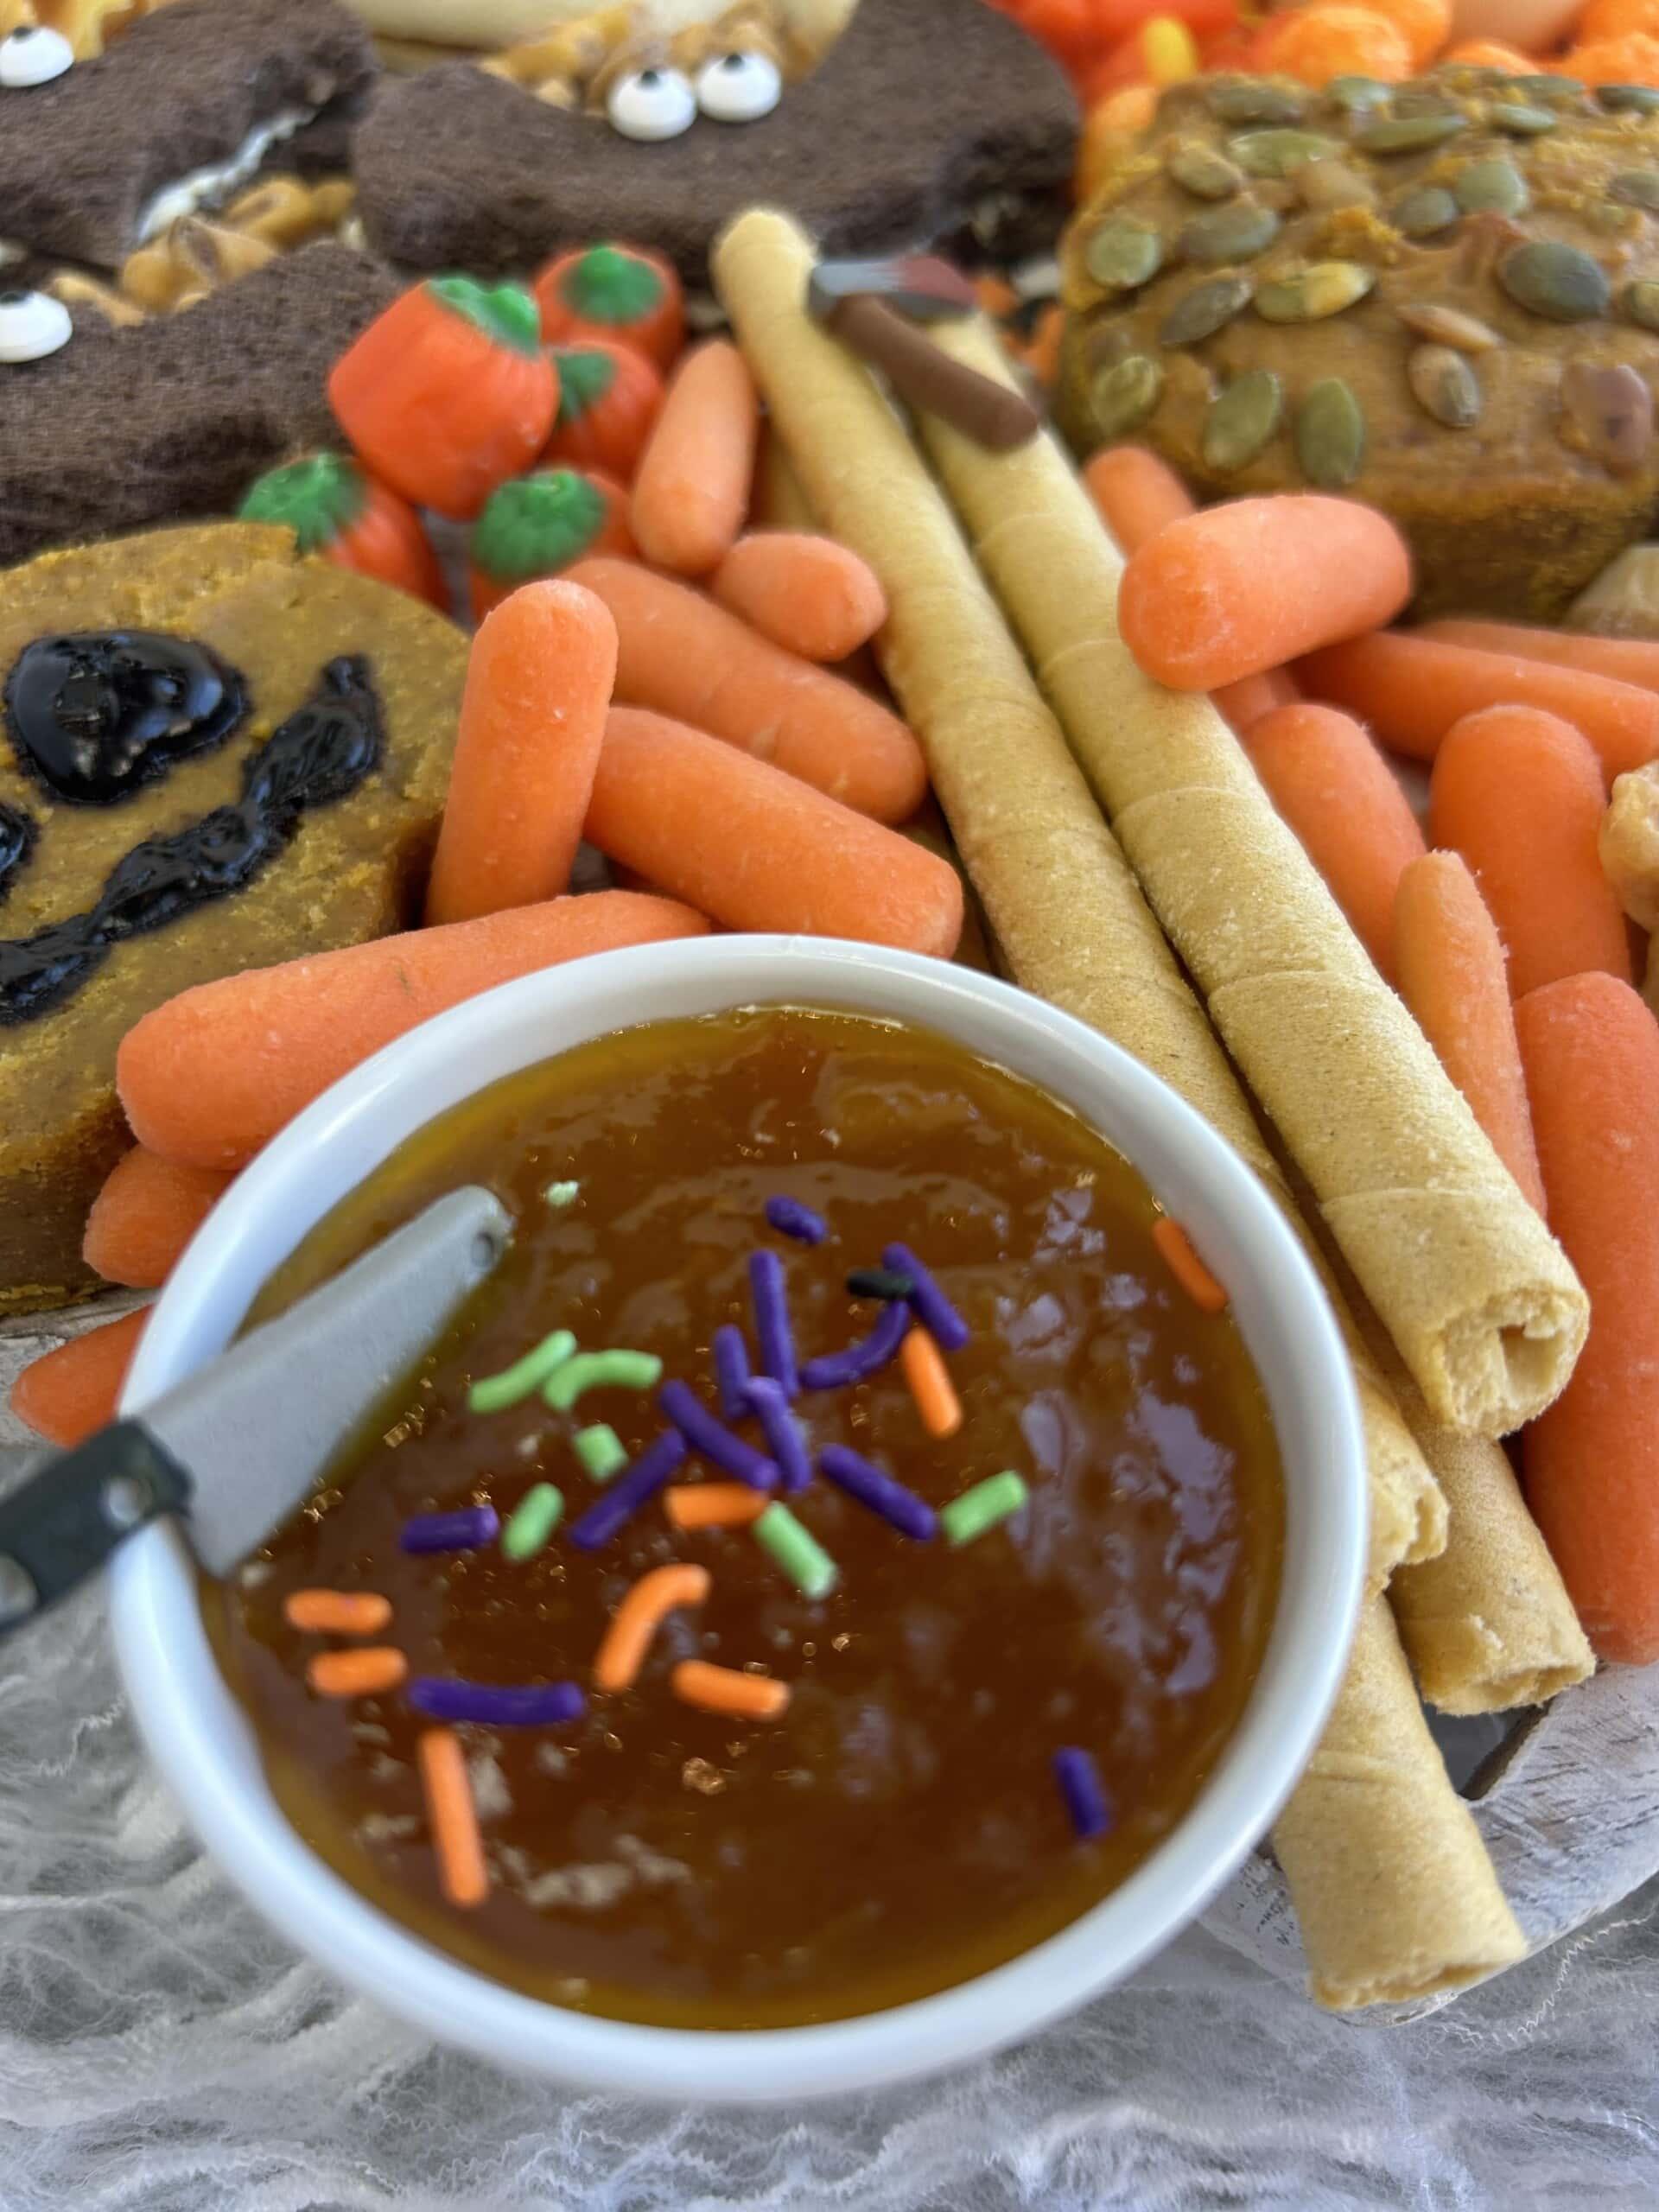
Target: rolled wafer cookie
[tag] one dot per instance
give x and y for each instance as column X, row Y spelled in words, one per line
column 1393, row 1888
column 1480, row 1300
column 1629, row 843
column 1058, row 894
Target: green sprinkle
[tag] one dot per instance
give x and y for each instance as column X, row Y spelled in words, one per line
column 982, row 1507
column 600, row 1371
column 601, row 1451
column 562, row 1194
column 497, row 1392
column 800, row 1554
column 535, row 1518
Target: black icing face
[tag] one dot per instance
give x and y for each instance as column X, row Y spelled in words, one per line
column 94, row 717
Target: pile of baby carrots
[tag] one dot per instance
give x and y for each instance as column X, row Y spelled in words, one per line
column 681, row 717
column 1508, row 939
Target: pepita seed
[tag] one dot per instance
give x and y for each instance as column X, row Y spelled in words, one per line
column 1325, row 185
column 1235, row 233
column 1522, row 121
column 1357, row 95
column 1409, row 134
column 1326, row 289
column 1613, row 410
column 1423, row 100
column 1544, row 88
column 1204, row 173
column 1636, row 188
column 1278, row 153
column 1420, row 215
column 1205, row 309
column 1124, row 396
column 1240, row 421
column 1444, row 385
column 1629, row 100
column 1245, row 100
column 1122, row 255
column 1330, row 434
column 1640, row 301
column 1608, row 219
column 1554, row 281
column 1444, row 326
column 1493, row 183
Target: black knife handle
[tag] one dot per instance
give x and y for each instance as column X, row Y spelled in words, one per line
column 63, row 1523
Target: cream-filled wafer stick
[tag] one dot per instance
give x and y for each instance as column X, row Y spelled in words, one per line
column 1482, row 1303
column 1064, row 908
column 1394, row 1892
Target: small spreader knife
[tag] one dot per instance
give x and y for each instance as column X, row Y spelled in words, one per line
column 235, row 1448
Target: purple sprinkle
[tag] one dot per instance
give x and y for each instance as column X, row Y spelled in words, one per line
column 866, row 1357
column 772, row 1328
column 933, row 1309
column 632, row 1488
column 783, row 1436
column 497, row 1706
column 791, row 1218
column 872, row 1486
column 712, row 1439
column 1085, row 1793
column 731, row 1371
column 469, row 1530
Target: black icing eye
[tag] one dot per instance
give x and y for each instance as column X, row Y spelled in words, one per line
column 93, row 718
column 738, row 87
column 31, row 56
column 651, row 104
column 32, row 324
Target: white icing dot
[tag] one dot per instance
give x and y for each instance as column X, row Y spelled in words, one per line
column 738, row 87
column 33, row 55
column 651, row 104
column 32, row 324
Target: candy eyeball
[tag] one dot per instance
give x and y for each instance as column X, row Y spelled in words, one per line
column 32, row 54
column 32, row 324
column 651, row 104
column 738, row 87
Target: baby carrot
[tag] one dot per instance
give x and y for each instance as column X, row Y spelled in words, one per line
column 1333, row 787
column 930, row 1382
column 1244, row 586
column 691, row 489
column 1410, row 689
column 1518, row 793
column 724, row 1689
column 1243, row 703
column 1627, row 660
column 1451, row 971
column 212, row 1074
column 642, row 1612
column 714, row 1505
column 369, row 1671
column 337, row 1612
column 1135, row 494
column 756, row 849
column 806, row 593
column 1181, row 1258
column 452, row 1817
column 681, row 655
column 538, row 683
column 146, row 1213
column 1590, row 1464
column 69, row 1395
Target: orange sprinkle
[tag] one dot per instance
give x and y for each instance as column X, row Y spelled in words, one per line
column 357, row 1674
column 723, row 1689
column 452, row 1817
column 638, row 1618
column 714, row 1505
column 1186, row 1266
column 930, row 1383
column 337, row 1612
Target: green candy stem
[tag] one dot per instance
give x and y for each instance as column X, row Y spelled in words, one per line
column 316, row 499
column 609, row 285
column 537, row 525
column 600, row 1371
column 504, row 313
column 584, row 380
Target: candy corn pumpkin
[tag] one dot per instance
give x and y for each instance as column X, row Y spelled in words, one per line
column 448, row 393
column 539, row 526
column 340, row 511
column 609, row 396
column 624, row 292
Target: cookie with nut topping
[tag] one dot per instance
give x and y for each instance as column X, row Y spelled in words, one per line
column 1442, row 296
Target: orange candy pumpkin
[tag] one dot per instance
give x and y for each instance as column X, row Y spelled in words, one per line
column 609, row 399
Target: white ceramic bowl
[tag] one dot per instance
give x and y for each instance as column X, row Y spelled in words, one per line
column 197, row 1735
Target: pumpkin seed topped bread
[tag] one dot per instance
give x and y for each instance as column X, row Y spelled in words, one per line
column 1442, row 295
